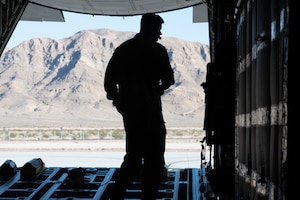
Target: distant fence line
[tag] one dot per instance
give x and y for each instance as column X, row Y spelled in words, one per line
column 42, row 134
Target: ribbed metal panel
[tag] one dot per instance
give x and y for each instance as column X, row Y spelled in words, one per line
column 261, row 111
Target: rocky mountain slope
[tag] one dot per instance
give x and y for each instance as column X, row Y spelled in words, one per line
column 59, row 83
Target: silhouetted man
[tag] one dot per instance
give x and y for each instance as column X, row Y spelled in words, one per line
column 137, row 75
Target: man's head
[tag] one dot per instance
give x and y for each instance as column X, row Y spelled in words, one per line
column 151, row 25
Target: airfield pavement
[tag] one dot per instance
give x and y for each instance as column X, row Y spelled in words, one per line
column 91, row 145
column 94, row 153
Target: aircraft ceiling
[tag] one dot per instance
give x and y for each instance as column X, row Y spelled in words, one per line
column 110, row 7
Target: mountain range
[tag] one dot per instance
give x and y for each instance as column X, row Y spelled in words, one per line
column 59, row 83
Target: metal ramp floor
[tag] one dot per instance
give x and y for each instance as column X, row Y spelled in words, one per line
column 96, row 183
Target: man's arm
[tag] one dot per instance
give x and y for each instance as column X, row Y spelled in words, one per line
column 110, row 79
column 168, row 73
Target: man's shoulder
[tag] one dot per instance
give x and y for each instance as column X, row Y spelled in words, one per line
column 126, row 44
column 134, row 43
column 160, row 45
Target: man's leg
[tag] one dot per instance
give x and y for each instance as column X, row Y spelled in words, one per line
column 152, row 175
column 154, row 162
column 126, row 174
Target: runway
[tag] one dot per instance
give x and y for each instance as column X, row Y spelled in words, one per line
column 93, row 153
column 95, row 159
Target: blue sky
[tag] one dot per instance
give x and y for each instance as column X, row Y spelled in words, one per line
column 177, row 24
